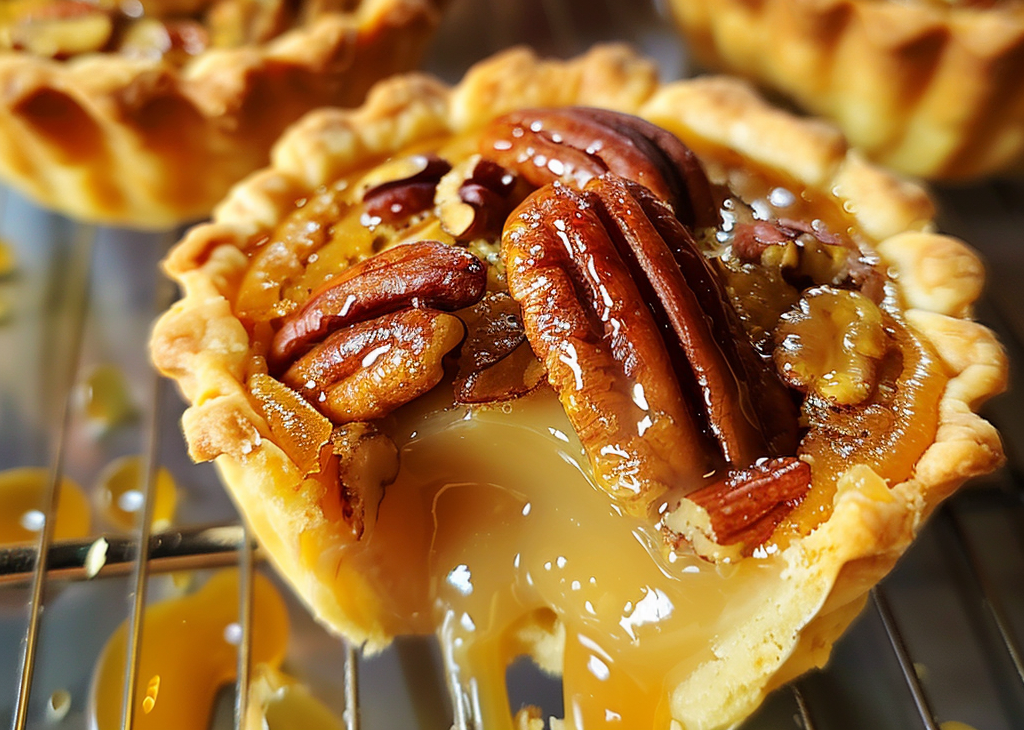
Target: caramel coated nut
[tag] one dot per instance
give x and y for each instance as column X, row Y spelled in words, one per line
column 640, row 340
column 831, row 344
column 365, row 460
column 577, row 144
column 731, row 517
column 605, row 356
column 735, row 389
column 365, row 371
column 403, row 187
column 812, row 255
column 496, row 362
column 474, row 198
column 425, row 274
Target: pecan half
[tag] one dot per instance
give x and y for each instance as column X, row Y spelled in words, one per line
column 816, row 256
column 366, row 370
column 410, row 191
column 365, row 461
column 735, row 514
column 640, row 340
column 297, row 427
column 605, row 356
column 496, row 361
column 750, row 240
column 421, row 274
column 576, row 144
column 474, row 198
column 736, row 390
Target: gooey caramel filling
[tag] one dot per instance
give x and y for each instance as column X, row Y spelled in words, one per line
column 494, row 524
column 494, row 533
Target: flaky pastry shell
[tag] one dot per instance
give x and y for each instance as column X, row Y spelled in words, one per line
column 203, row 346
column 932, row 89
column 142, row 143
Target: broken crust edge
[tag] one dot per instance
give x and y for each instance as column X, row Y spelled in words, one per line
column 931, row 91
column 200, row 344
column 151, row 145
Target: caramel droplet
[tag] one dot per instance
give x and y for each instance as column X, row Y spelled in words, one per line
column 121, row 492
column 105, row 398
column 186, row 655
column 23, row 512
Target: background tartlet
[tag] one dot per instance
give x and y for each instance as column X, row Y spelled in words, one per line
column 933, row 89
column 148, row 140
column 202, row 344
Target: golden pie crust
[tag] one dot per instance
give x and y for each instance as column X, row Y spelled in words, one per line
column 203, row 346
column 147, row 144
column 928, row 88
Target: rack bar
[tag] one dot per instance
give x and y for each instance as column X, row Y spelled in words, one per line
column 245, row 604
column 162, row 300
column 133, row 649
column 351, row 688
column 899, row 648
column 802, row 706
column 193, row 548
column 82, row 244
column 983, row 586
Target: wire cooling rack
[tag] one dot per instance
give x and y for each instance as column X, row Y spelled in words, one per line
column 937, row 645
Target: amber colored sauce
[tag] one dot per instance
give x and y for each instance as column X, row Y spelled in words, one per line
column 7, row 259
column 188, row 653
column 105, row 397
column 279, row 702
column 7, row 267
column 890, row 451
column 121, row 490
column 23, row 508
column 493, row 518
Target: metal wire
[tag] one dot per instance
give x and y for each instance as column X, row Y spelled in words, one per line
column 192, row 548
column 245, row 604
column 802, row 707
column 82, row 243
column 899, row 648
column 351, row 688
column 136, row 623
column 983, row 587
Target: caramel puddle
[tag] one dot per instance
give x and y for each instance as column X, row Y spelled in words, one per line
column 494, row 528
column 188, row 653
column 120, row 494
column 22, row 512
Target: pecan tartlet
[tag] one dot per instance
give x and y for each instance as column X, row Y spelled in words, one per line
column 648, row 382
column 932, row 88
column 145, row 113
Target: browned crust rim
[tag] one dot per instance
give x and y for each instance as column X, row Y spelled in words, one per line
column 200, row 344
column 145, row 144
column 931, row 91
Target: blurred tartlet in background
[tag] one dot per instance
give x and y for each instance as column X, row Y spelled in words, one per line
column 932, row 88
column 144, row 113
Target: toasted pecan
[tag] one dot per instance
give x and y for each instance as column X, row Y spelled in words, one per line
column 422, row 274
